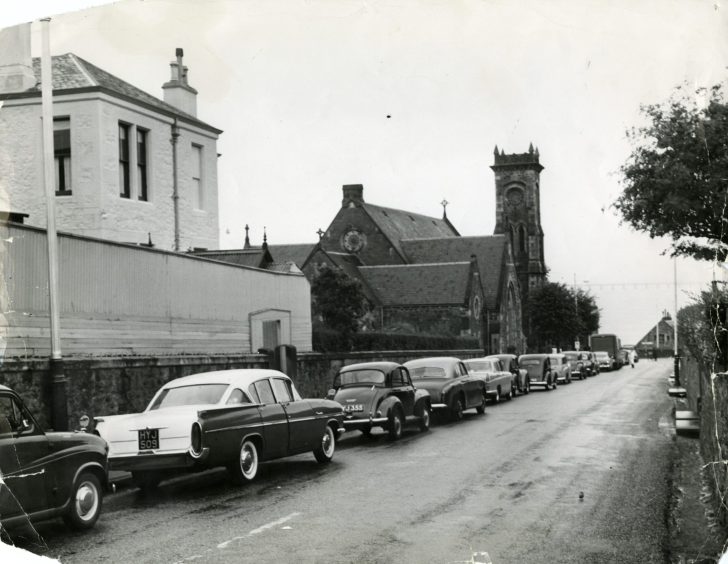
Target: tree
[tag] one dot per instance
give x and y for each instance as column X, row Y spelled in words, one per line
column 554, row 320
column 675, row 181
column 588, row 314
column 338, row 300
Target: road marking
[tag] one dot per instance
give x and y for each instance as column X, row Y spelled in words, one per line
column 260, row 529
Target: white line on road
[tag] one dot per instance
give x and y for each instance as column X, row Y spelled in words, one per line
column 260, row 529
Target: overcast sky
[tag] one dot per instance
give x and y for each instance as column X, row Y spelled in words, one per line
column 409, row 98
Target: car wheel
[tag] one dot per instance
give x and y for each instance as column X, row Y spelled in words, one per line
column 324, row 452
column 481, row 408
column 528, row 386
column 245, row 468
column 395, row 424
column 497, row 398
column 424, row 418
column 509, row 395
column 456, row 411
column 86, row 499
column 146, row 481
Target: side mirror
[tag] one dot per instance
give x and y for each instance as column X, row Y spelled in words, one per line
column 331, row 394
column 83, row 422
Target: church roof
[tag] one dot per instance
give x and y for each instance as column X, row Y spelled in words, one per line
column 489, row 251
column 72, row 73
column 419, row 284
column 397, row 225
column 256, row 256
column 296, row 254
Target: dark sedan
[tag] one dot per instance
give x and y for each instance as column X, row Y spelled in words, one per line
column 46, row 475
column 380, row 394
column 451, row 387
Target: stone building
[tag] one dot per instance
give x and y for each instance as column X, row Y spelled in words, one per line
column 518, row 215
column 129, row 167
column 660, row 338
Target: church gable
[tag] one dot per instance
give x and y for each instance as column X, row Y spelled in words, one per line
column 374, row 233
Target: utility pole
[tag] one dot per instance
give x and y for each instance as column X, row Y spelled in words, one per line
column 676, row 356
column 59, row 409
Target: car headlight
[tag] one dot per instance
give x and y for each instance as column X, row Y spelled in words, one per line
column 196, row 439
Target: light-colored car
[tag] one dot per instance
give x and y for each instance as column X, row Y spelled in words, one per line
column 232, row 418
column 520, row 381
column 604, row 360
column 560, row 367
column 452, row 389
column 498, row 382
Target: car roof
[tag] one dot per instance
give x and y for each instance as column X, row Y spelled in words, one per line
column 535, row 355
column 384, row 366
column 239, row 377
column 432, row 361
column 5, row 388
column 490, row 357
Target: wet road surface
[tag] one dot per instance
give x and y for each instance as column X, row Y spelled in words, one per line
column 507, row 483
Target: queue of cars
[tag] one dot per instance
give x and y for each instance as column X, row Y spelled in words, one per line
column 238, row 419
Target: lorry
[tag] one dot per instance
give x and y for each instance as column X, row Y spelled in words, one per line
column 610, row 344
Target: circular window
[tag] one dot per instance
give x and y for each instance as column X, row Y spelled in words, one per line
column 353, row 241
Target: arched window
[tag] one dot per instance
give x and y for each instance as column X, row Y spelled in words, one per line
column 522, row 239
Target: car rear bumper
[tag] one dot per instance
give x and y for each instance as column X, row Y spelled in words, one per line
column 357, row 424
column 169, row 461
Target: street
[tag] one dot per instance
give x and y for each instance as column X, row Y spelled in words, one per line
column 508, row 483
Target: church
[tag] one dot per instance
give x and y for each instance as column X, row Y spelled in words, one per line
column 421, row 275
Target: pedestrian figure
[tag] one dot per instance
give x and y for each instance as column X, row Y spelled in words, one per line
column 630, row 355
column 654, row 354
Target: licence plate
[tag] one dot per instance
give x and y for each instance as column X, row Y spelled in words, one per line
column 148, row 439
column 353, row 407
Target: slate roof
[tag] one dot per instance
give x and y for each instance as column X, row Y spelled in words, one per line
column 296, row 254
column 489, row 252
column 71, row 72
column 257, row 257
column 397, row 225
column 419, row 284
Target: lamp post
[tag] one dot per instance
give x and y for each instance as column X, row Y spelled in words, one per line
column 59, row 408
column 676, row 355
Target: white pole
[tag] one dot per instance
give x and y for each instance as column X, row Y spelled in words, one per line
column 50, row 185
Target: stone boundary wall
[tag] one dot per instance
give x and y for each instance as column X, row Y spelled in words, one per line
column 712, row 389
column 115, row 385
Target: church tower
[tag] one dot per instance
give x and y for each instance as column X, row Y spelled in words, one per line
column 518, row 214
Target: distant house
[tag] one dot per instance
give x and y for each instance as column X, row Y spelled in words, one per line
column 660, row 338
column 129, row 167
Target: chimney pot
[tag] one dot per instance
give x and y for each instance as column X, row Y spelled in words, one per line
column 353, row 193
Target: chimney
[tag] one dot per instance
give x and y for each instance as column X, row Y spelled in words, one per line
column 353, row 195
column 177, row 91
column 16, row 64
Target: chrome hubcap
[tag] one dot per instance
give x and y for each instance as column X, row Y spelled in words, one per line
column 327, row 442
column 86, row 500
column 247, row 460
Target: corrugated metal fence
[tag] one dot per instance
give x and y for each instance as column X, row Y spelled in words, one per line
column 121, row 299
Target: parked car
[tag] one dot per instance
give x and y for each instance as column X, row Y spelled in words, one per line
column 604, row 360
column 498, row 382
column 560, row 367
column 591, row 366
column 539, row 370
column 452, row 389
column 232, row 418
column 46, row 474
column 380, row 394
column 576, row 364
column 520, row 382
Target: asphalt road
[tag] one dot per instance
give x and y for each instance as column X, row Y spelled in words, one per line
column 507, row 483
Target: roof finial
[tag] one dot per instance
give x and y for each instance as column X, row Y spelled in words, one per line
column 265, row 239
column 444, row 204
column 320, row 233
column 530, row 148
column 495, row 151
column 247, row 239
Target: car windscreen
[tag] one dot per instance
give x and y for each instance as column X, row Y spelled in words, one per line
column 203, row 394
column 367, row 377
column 422, row 372
column 530, row 362
column 572, row 356
column 479, row 366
